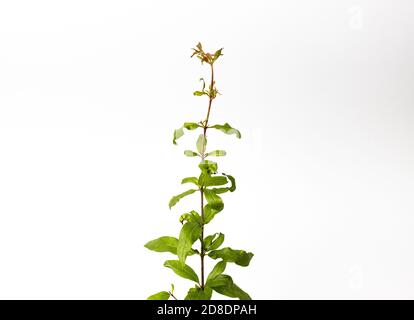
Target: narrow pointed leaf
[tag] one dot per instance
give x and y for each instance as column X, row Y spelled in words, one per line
column 199, row 93
column 217, row 242
column 217, row 270
column 225, row 189
column 227, row 129
column 213, row 242
column 199, row 294
column 210, row 180
column 189, row 233
column 178, row 197
column 224, row 285
column 178, row 133
column 209, row 213
column 239, row 257
column 193, row 180
column 163, row 295
column 233, row 182
column 201, row 143
column 163, row 244
column 213, row 200
column 192, row 216
column 219, row 190
column 216, row 153
column 181, row 269
column 190, row 153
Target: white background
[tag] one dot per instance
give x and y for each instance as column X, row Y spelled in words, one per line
column 322, row 91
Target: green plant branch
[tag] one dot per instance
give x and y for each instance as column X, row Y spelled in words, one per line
column 211, row 186
column 203, row 155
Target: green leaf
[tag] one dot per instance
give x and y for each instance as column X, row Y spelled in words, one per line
column 199, row 294
column 217, row 54
column 217, row 153
column 199, row 93
column 217, row 270
column 191, row 125
column 189, row 233
column 227, row 129
column 178, row 133
column 192, row 216
column 217, row 242
column 209, row 213
column 208, row 166
column 239, row 257
column 223, row 190
column 214, row 206
column 182, row 270
column 190, row 180
column 209, row 180
column 224, row 285
column 163, row 295
column 201, row 143
column 213, row 200
column 233, row 182
column 219, row 190
column 190, row 153
column 213, row 242
column 178, row 197
column 163, row 244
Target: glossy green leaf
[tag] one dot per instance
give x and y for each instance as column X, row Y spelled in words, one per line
column 178, row 197
column 225, row 189
column 224, row 285
column 219, row 190
column 181, row 269
column 189, row 233
column 213, row 200
column 208, row 166
column 163, row 295
column 201, row 143
column 227, row 129
column 239, row 257
column 213, row 242
column 216, row 153
column 178, row 133
column 233, row 182
column 190, row 153
column 209, row 213
column 209, row 180
column 192, row 216
column 163, row 244
column 217, row 270
column 199, row 294
column 217, row 242
column 193, row 180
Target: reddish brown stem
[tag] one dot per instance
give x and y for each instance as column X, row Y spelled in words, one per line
column 205, row 126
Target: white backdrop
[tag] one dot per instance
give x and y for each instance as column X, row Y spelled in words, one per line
column 322, row 91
